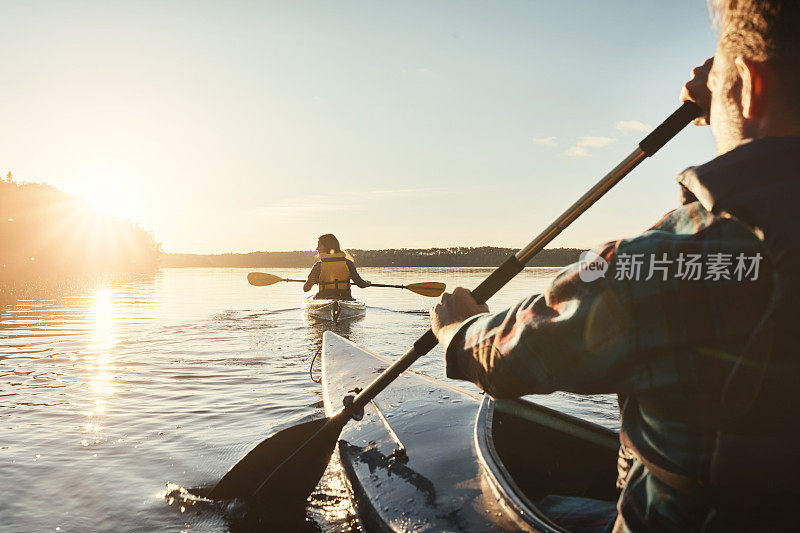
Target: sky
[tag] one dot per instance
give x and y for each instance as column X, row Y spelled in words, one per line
column 241, row 126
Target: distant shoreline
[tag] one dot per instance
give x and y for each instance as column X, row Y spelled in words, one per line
column 485, row 256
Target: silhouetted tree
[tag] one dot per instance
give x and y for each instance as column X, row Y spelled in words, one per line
column 44, row 231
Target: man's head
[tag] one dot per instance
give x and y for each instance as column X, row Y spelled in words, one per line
column 755, row 78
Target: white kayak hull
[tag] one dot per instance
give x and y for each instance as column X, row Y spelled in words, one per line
column 429, row 456
column 334, row 310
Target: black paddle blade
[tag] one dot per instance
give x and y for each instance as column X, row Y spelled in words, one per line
column 284, row 468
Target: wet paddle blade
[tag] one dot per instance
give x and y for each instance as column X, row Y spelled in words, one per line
column 262, row 279
column 284, row 468
column 428, row 288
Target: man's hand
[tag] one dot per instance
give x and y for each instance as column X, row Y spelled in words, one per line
column 696, row 90
column 452, row 309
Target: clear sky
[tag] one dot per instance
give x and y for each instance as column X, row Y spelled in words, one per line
column 243, row 126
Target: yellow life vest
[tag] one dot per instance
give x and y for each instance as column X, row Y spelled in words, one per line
column 333, row 272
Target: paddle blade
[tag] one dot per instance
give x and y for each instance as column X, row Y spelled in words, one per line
column 262, row 279
column 284, row 468
column 428, row 288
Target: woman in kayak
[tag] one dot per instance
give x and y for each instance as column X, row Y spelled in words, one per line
column 334, row 271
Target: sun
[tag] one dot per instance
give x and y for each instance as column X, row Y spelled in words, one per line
column 110, row 198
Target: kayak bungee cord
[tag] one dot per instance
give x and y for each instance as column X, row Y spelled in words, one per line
column 311, row 366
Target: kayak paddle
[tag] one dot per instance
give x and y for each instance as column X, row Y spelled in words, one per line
column 283, row 469
column 427, row 288
column 262, row 279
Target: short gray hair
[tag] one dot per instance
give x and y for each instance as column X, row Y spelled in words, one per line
column 760, row 30
column 765, row 31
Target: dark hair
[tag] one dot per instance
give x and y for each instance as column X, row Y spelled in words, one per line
column 329, row 242
column 762, row 30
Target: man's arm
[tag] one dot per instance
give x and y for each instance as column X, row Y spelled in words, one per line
column 636, row 328
column 572, row 338
column 313, row 277
column 453, row 309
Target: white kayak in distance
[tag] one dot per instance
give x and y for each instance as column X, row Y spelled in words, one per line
column 332, row 309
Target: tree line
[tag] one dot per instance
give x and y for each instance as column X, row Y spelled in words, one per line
column 45, row 232
column 481, row 256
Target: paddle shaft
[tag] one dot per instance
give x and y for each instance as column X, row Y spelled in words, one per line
column 426, row 289
column 371, row 285
column 514, row 264
column 388, row 285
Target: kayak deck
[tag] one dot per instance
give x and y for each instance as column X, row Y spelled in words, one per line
column 429, row 456
column 334, row 310
column 438, row 486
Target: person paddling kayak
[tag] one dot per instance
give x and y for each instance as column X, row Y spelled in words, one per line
column 334, row 271
column 705, row 358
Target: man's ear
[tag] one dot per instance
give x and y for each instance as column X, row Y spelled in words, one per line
column 753, row 77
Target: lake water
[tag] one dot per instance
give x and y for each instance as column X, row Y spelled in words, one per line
column 109, row 394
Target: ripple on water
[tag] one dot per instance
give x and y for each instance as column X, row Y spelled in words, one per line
column 107, row 394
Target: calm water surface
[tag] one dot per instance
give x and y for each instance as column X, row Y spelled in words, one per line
column 109, row 395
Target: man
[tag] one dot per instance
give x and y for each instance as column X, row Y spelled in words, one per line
column 691, row 324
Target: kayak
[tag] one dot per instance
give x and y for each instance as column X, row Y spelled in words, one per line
column 430, row 456
column 335, row 310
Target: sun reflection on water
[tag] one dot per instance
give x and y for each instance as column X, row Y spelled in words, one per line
column 101, row 347
column 332, row 503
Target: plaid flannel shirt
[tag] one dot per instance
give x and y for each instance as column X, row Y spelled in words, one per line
column 664, row 337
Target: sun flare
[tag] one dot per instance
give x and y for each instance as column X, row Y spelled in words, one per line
column 106, row 196
column 109, row 202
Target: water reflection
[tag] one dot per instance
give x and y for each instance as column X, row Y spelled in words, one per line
column 317, row 326
column 330, row 504
column 102, row 317
column 314, row 329
column 110, row 390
